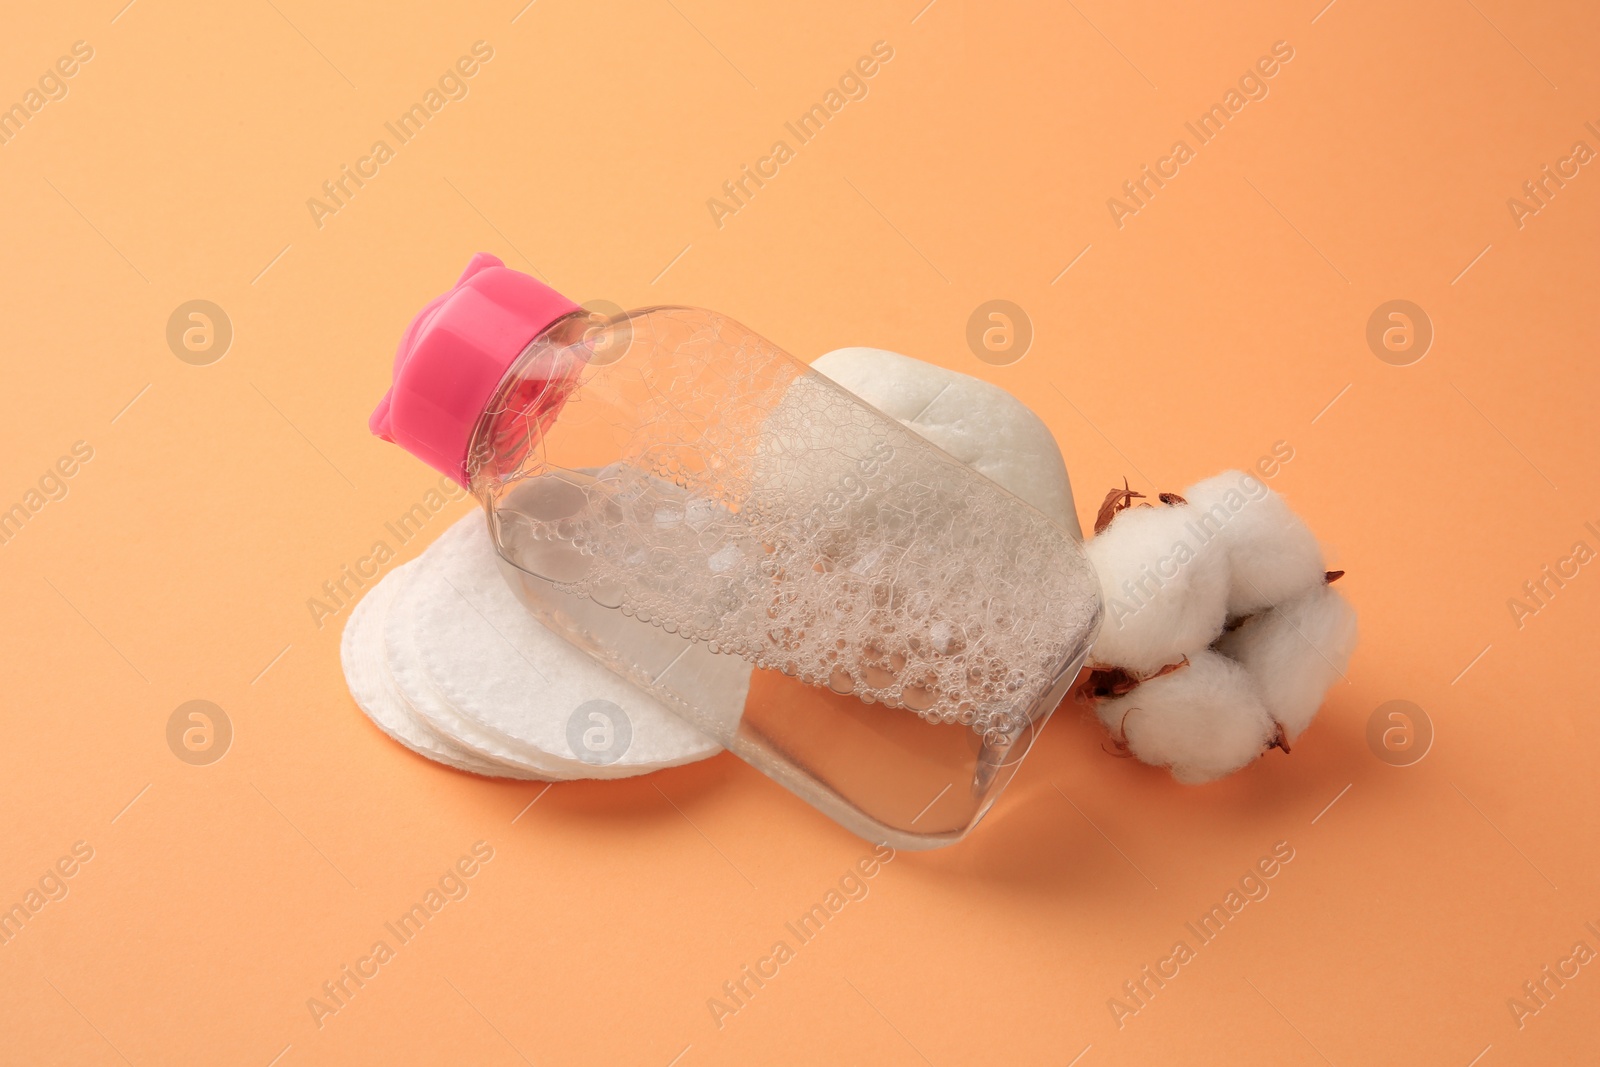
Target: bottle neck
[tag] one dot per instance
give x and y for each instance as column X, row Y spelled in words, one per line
column 506, row 441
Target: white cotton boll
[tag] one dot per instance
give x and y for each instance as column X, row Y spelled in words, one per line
column 1295, row 652
column 1272, row 554
column 1203, row 721
column 1165, row 591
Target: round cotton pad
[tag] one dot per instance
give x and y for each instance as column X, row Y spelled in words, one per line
column 403, row 639
column 522, row 691
column 979, row 424
column 367, row 672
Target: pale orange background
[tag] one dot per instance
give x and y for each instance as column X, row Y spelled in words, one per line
column 1221, row 319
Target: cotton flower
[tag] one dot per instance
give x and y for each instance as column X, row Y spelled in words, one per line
column 1165, row 591
column 1272, row 554
column 1203, row 721
column 1295, row 652
column 1221, row 634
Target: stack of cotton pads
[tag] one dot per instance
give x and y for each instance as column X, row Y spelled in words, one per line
column 444, row 658
column 1222, row 632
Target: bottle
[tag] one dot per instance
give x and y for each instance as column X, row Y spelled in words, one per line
column 841, row 604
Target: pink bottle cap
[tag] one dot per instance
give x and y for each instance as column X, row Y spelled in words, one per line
column 453, row 356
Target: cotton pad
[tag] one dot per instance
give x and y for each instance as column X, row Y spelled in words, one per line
column 979, row 424
column 401, row 642
column 1165, row 589
column 1295, row 652
column 510, row 688
column 366, row 669
column 1272, row 555
column 1203, row 720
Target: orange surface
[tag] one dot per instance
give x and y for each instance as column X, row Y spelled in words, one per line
column 1227, row 314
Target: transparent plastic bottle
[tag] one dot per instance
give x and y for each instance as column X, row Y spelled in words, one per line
column 841, row 604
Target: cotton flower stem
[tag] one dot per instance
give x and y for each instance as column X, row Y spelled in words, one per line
column 1168, row 669
column 1102, row 682
column 1118, row 500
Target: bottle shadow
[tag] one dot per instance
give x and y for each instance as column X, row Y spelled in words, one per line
column 1080, row 822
